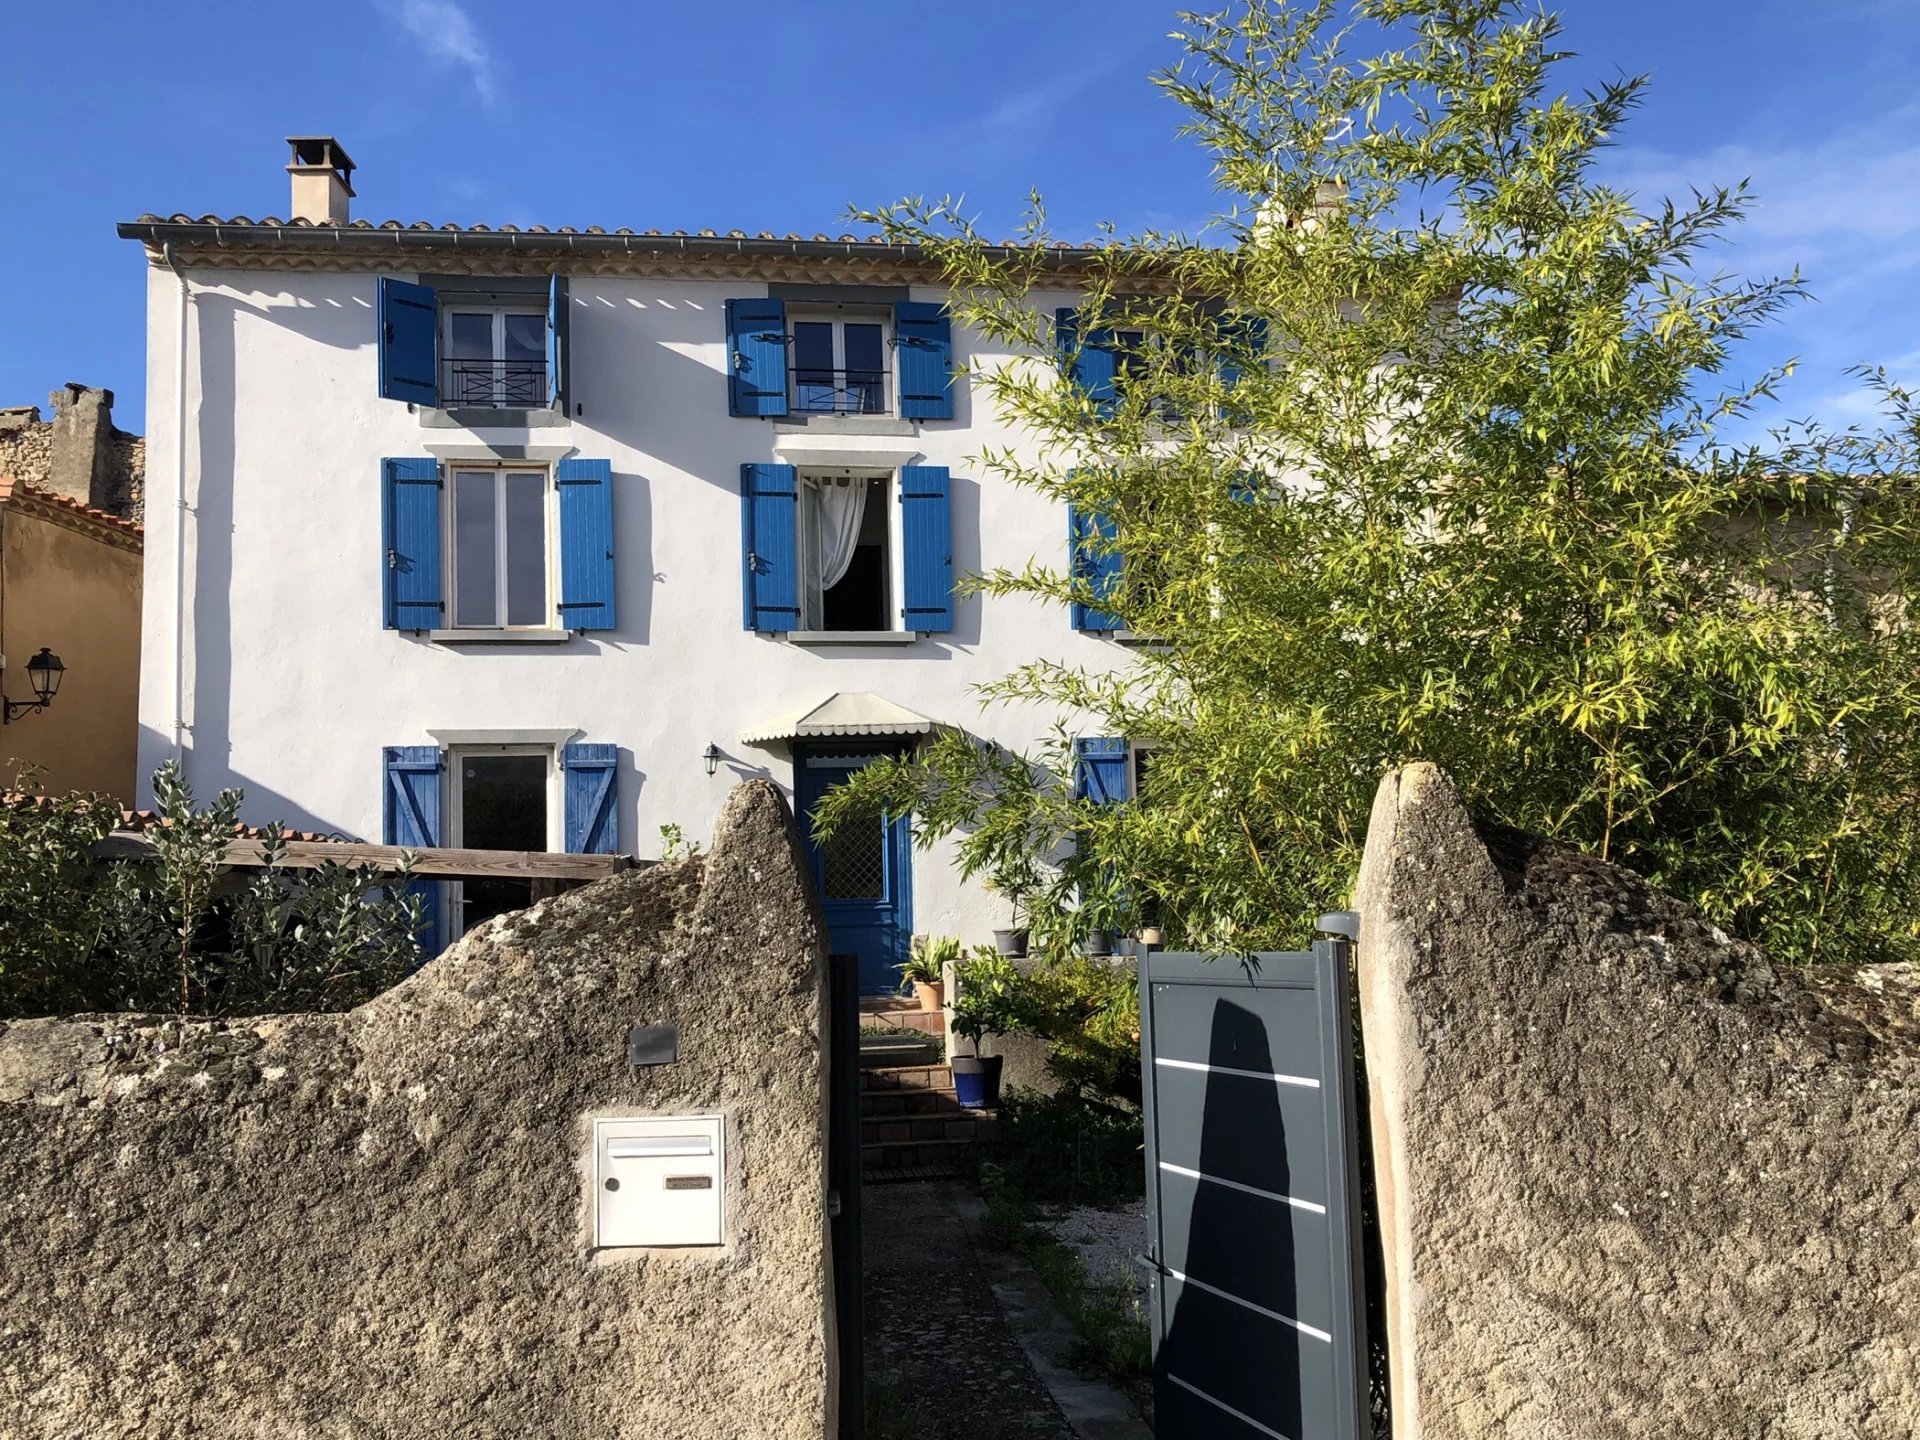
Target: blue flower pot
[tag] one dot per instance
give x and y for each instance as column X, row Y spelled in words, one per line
column 976, row 1081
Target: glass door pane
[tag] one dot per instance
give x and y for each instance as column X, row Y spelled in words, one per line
column 526, row 578
column 476, row 554
column 503, row 806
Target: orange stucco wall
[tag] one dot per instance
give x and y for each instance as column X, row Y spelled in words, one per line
column 78, row 594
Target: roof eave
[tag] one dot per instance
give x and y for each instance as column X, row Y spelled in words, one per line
column 374, row 239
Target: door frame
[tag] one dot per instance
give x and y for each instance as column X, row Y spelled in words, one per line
column 899, row 831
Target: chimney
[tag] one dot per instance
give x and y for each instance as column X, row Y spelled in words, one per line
column 81, row 466
column 1272, row 219
column 322, row 179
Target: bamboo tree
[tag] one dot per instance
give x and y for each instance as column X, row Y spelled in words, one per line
column 1462, row 492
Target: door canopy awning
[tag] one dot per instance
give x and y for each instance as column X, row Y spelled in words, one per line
column 850, row 712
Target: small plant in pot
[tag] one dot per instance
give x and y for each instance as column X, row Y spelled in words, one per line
column 988, row 1003
column 925, row 970
column 1014, row 874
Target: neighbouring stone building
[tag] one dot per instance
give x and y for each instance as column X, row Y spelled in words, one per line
column 384, row 1223
column 71, row 554
column 1637, row 1181
column 78, row 454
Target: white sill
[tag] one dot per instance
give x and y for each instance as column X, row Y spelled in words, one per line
column 499, row 637
column 852, row 637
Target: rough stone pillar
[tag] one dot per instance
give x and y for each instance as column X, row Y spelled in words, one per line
column 1636, row 1181
column 82, row 465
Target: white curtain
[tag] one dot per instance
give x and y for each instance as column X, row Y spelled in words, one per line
column 837, row 526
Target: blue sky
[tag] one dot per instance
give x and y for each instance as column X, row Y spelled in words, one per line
column 762, row 115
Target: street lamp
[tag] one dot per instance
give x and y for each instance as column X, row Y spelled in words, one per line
column 712, row 757
column 44, row 673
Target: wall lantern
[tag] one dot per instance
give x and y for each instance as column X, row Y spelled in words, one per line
column 44, row 673
column 712, row 757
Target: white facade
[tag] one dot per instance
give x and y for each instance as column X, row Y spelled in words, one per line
column 265, row 663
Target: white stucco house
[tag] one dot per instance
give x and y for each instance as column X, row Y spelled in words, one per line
column 506, row 538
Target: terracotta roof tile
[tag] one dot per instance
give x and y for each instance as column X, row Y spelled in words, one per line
column 11, row 488
column 138, row 820
column 243, row 222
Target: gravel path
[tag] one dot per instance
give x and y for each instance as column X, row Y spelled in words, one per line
column 936, row 1330
column 1107, row 1242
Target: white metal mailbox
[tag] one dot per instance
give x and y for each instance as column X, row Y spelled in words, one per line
column 658, row 1181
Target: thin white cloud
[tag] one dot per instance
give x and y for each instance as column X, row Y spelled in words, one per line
column 1843, row 207
column 1031, row 112
column 448, row 36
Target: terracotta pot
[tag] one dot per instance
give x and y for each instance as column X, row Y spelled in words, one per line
column 931, row 996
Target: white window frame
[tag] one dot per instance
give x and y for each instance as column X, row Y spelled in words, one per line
column 457, row 820
column 1137, row 752
column 840, row 319
column 808, row 580
column 450, row 544
column 498, row 356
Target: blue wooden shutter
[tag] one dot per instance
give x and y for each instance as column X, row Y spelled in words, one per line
column 1243, row 338
column 1088, row 360
column 926, row 546
column 1096, row 565
column 593, row 798
column 923, row 341
column 1100, row 769
column 410, row 543
column 410, row 816
column 408, row 317
column 757, row 357
column 769, row 551
column 586, row 544
column 557, row 342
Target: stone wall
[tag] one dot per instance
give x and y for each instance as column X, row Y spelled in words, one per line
column 78, row 453
column 376, row 1224
column 1635, row 1180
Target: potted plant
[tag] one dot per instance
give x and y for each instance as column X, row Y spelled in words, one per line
column 1014, row 874
column 925, row 969
column 987, row 1004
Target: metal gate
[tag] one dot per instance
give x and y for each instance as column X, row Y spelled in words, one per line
column 843, row 1193
column 1252, row 1187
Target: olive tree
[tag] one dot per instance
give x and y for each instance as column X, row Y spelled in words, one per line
column 1420, row 451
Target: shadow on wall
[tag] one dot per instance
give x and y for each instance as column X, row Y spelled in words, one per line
column 1235, row 1243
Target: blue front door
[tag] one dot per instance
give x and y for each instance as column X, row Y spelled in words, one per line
column 864, row 872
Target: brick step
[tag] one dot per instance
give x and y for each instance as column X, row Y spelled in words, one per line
column 890, row 1104
column 927, row 1022
column 898, row 1160
column 906, row 1077
column 966, row 1125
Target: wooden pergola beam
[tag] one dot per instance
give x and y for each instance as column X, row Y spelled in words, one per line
column 448, row 864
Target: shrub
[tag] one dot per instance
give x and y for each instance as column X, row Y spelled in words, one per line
column 180, row 929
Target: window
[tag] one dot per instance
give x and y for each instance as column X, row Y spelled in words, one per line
column 502, row 346
column 503, row 799
column 846, row 552
column 495, row 359
column 839, row 365
column 500, row 549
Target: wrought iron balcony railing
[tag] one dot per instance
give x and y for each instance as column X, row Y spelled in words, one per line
column 840, row 392
column 494, row 384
